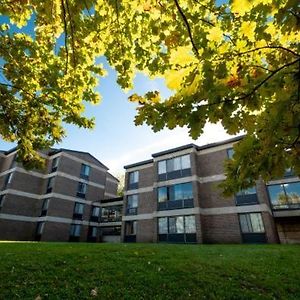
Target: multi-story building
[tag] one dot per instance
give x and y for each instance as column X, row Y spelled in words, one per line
column 61, row 203
column 174, row 197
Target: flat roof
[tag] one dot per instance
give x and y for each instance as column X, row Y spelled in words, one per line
column 184, row 147
column 144, row 162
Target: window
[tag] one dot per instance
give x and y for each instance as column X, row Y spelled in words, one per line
column 93, row 231
column 285, row 196
column 176, row 225
column 251, row 223
column 174, row 168
column 95, row 214
column 130, row 228
column 45, row 207
column 181, row 229
column 40, row 228
column 115, row 230
column 175, row 196
column 162, row 167
column 163, row 225
column 111, row 214
column 132, row 204
column 75, row 230
column 78, row 211
column 54, row 164
column 133, row 180
column 246, row 197
column 162, row 194
column 2, row 198
column 85, row 171
column 81, row 189
column 50, row 185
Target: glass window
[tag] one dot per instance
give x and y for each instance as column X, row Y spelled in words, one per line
column 96, row 211
column 50, row 182
column 162, row 194
column 75, row 230
column 133, row 177
column 292, row 192
column 185, row 162
column 94, row 231
column 130, row 227
column 170, row 165
column 163, row 225
column 177, row 192
column 176, row 225
column 2, row 198
column 45, row 204
column 249, row 191
column 132, row 201
column 78, row 208
column 162, row 167
column 81, row 187
column 251, row 223
column 55, row 163
column 85, row 170
column 177, row 163
column 190, row 226
column 40, row 228
column 187, row 190
column 277, row 194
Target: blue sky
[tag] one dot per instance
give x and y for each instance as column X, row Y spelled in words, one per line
column 115, row 140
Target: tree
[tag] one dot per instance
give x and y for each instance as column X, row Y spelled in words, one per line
column 235, row 62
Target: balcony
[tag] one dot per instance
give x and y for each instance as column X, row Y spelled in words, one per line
column 175, row 204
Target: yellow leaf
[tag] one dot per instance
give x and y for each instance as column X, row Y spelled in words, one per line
column 182, row 56
column 174, row 78
column 241, row 7
column 248, row 30
column 215, row 34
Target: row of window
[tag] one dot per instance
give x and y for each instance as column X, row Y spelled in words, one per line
column 183, row 228
column 167, row 169
column 106, row 214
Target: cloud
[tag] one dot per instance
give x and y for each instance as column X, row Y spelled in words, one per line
column 165, row 140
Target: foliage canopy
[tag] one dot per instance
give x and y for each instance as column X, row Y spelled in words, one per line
column 236, row 62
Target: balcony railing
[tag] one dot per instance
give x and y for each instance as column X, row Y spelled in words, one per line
column 286, row 206
column 247, row 199
column 111, row 219
column 175, row 204
column 174, row 174
column 131, row 211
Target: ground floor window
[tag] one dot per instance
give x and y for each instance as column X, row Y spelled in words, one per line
column 75, row 232
column 252, row 228
column 39, row 230
column 130, row 231
column 178, row 229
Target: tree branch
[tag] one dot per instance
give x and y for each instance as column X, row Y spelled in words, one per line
column 66, row 34
column 188, row 27
column 72, row 33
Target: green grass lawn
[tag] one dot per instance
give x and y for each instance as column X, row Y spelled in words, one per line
column 148, row 271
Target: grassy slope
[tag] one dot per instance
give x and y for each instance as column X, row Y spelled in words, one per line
column 148, row 271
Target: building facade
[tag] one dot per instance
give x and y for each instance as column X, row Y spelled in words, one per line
column 61, row 203
column 174, row 197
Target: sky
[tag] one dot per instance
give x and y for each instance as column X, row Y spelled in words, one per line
column 115, row 140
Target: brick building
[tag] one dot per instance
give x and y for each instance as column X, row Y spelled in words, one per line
column 61, row 203
column 174, row 197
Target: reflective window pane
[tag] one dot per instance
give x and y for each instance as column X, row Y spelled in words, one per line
column 277, row 195
column 178, row 192
column 190, row 226
column 177, row 163
column 179, row 225
column 292, row 192
column 134, row 177
column 162, row 194
column 132, row 201
column 187, row 190
column 257, row 223
column 162, row 167
column 245, row 223
column 170, row 165
column 185, row 162
column 230, row 153
column 163, row 225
